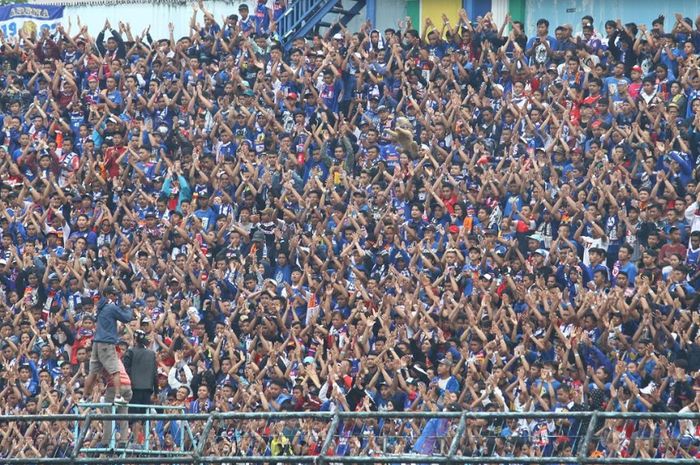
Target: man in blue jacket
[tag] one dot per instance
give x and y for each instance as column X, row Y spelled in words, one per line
column 104, row 353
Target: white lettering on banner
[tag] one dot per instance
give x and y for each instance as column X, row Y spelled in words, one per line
column 42, row 13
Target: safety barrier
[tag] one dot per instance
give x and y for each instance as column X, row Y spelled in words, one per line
column 367, row 437
column 112, row 444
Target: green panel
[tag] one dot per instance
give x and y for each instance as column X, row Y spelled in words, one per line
column 517, row 9
column 413, row 12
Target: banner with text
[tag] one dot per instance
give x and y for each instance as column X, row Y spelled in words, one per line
column 29, row 18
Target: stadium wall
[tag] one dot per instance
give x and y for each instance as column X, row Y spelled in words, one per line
column 389, row 12
column 639, row 11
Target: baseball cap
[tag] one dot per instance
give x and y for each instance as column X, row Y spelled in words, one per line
column 599, row 250
column 542, row 252
column 110, row 290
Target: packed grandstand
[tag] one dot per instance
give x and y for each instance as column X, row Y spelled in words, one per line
column 438, row 217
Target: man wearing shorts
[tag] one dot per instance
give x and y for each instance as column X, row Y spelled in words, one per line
column 104, row 352
column 111, row 395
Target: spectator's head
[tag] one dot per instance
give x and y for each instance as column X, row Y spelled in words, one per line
column 110, row 292
column 140, row 338
column 631, row 29
column 203, row 392
column 275, row 388
column 661, row 71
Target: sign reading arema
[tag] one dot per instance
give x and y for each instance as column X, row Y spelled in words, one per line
column 29, row 18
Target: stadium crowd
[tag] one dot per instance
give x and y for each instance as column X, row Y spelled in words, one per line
column 437, row 217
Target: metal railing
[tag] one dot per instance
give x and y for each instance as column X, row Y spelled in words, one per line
column 112, row 445
column 296, row 14
column 456, row 432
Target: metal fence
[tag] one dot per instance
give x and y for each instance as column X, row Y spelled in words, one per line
column 353, row 437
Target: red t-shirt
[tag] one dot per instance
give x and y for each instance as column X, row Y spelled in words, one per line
column 112, row 154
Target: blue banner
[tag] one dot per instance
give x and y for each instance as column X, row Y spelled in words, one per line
column 29, row 18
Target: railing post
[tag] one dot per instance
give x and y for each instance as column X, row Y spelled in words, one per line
column 458, row 436
column 181, row 432
column 76, row 429
column 147, row 434
column 81, row 437
column 203, row 438
column 112, row 440
column 582, row 453
column 372, row 12
column 329, row 437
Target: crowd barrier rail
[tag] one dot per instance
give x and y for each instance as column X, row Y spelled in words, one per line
column 195, row 441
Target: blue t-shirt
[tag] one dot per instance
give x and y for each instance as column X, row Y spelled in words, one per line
column 330, row 93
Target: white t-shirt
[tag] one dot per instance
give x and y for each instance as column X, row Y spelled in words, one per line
column 588, row 243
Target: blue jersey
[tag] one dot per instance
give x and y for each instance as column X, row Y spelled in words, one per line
column 693, row 259
column 330, row 93
column 262, row 19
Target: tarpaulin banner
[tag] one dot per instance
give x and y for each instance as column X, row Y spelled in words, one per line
column 29, row 18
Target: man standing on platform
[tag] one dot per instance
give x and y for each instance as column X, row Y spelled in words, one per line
column 104, row 347
column 140, row 363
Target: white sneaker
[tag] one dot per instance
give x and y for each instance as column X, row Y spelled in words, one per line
column 120, row 400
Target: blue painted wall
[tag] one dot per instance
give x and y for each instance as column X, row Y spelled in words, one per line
column 476, row 8
column 640, row 11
